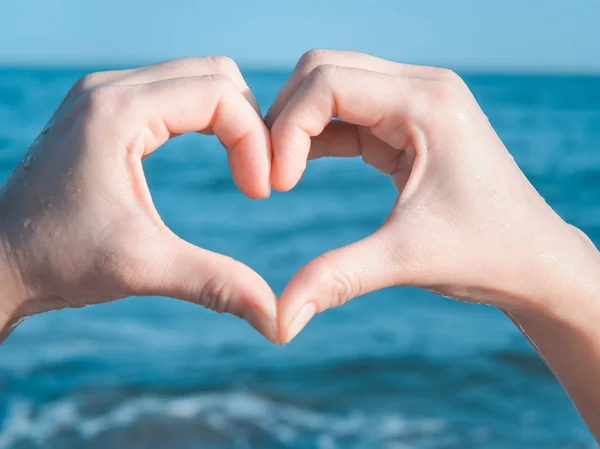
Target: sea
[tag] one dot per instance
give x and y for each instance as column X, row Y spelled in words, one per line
column 396, row 369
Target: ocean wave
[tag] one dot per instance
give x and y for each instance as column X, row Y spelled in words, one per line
column 239, row 418
column 399, row 369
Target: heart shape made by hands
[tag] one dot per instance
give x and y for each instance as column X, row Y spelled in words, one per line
column 418, row 125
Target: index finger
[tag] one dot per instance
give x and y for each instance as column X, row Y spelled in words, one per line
column 175, row 68
column 379, row 101
column 315, row 58
column 177, row 106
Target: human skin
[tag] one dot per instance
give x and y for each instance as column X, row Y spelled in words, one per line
column 77, row 222
column 467, row 224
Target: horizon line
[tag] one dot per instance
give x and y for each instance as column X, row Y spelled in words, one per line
column 286, row 69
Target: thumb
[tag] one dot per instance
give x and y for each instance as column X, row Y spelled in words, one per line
column 334, row 278
column 175, row 268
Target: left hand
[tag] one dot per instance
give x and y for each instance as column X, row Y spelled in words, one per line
column 77, row 222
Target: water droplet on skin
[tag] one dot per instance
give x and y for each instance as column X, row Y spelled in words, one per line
column 28, row 162
column 40, row 135
column 16, row 324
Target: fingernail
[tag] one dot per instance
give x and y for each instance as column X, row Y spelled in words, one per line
column 264, row 323
column 304, row 316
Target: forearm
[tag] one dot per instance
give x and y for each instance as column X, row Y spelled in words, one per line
column 566, row 333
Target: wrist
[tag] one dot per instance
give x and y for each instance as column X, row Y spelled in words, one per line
column 564, row 331
column 567, row 287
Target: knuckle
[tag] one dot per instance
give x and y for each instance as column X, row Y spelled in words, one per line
column 278, row 132
column 451, row 77
column 101, row 97
column 341, row 289
column 220, row 82
column 313, row 58
column 87, row 82
column 203, row 65
column 224, row 64
column 448, row 75
column 212, row 294
column 447, row 94
column 190, row 64
column 342, row 285
column 216, row 294
column 221, row 85
column 105, row 100
column 450, row 94
column 106, row 103
column 324, row 73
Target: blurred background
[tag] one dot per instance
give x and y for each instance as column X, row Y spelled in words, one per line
column 400, row 368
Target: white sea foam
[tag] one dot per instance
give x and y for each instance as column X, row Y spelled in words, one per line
column 223, row 412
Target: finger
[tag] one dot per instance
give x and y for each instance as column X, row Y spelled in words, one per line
column 183, row 105
column 341, row 139
column 374, row 100
column 315, row 58
column 188, row 67
column 176, row 68
column 338, row 139
column 334, row 278
column 178, row 269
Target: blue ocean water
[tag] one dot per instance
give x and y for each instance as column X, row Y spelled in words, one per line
column 400, row 368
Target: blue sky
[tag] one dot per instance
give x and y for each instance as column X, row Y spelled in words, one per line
column 508, row 35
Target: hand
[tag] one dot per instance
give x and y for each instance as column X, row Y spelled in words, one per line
column 467, row 224
column 76, row 216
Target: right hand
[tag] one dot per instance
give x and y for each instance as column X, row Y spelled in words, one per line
column 467, row 223
column 77, row 222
